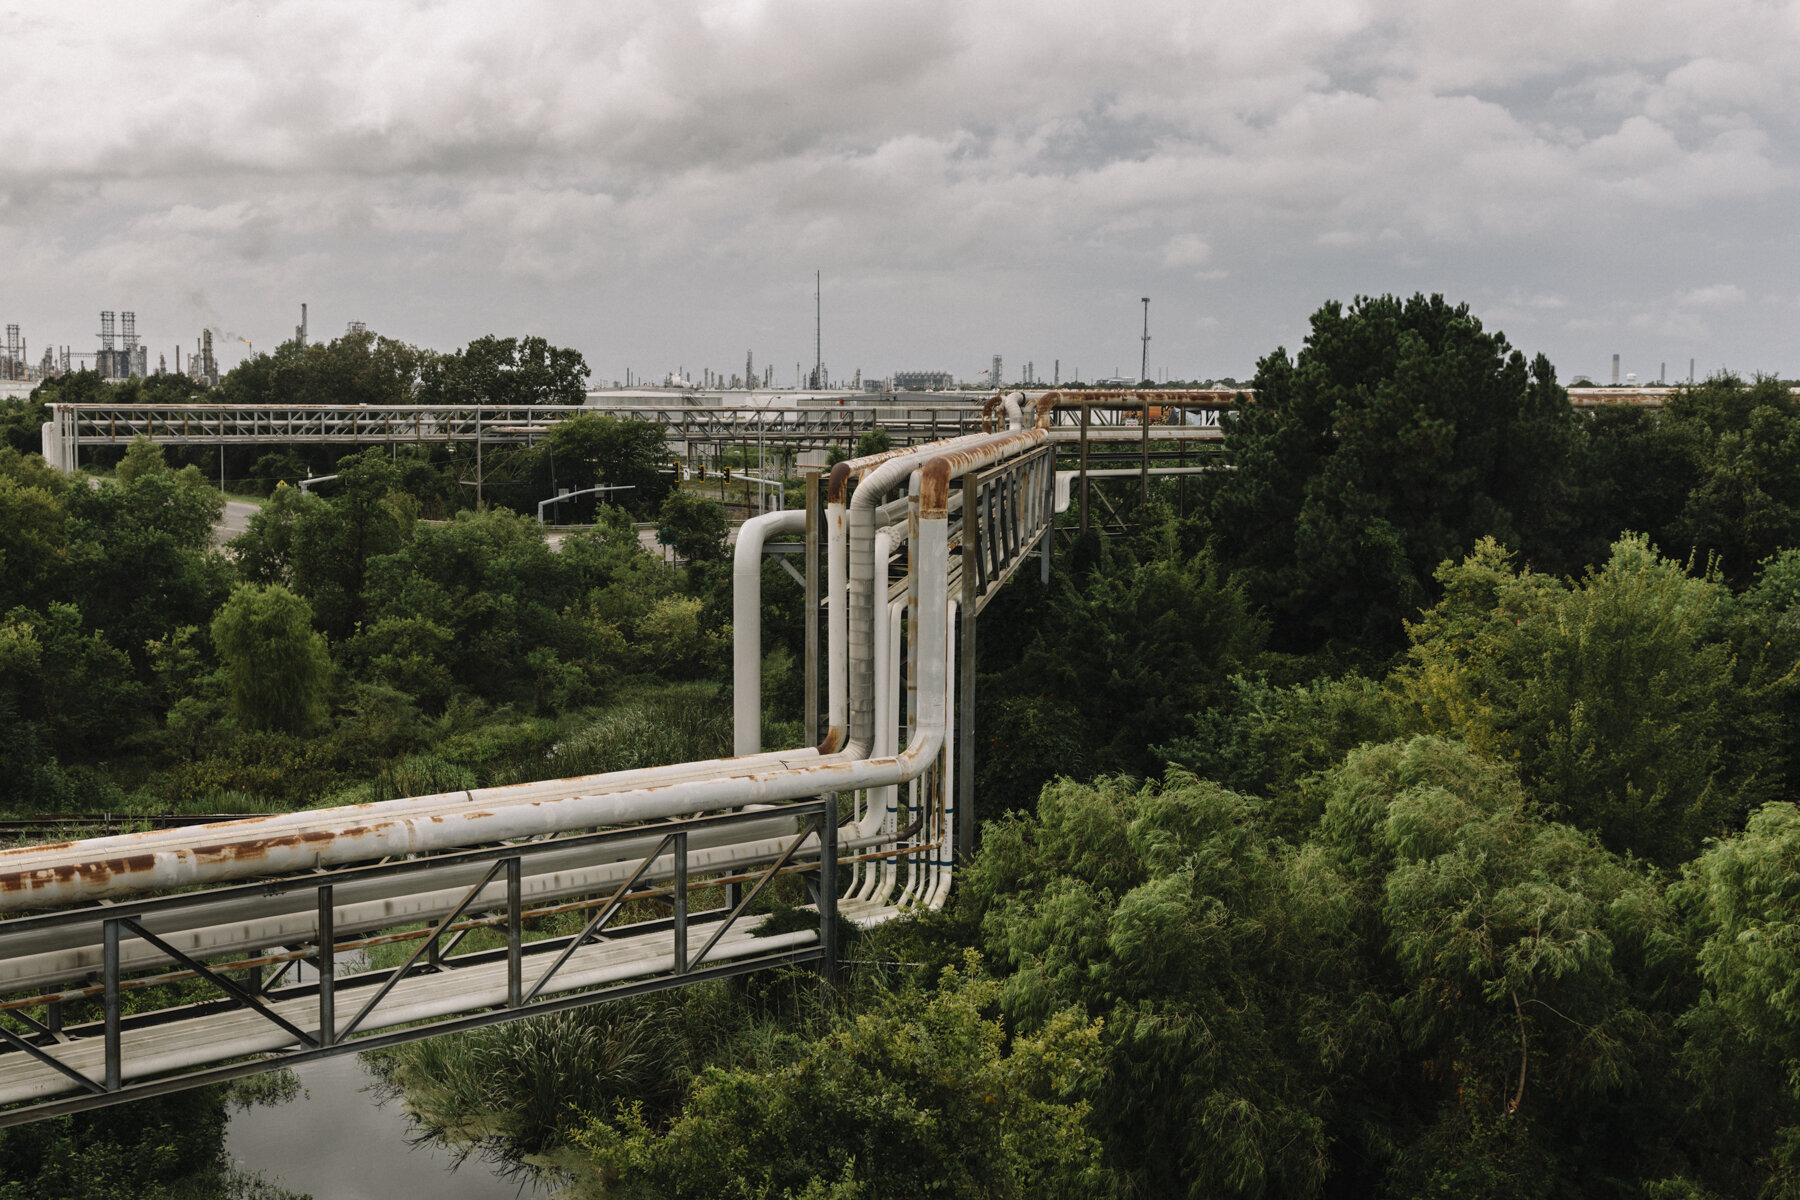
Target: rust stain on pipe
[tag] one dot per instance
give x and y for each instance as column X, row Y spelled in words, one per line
column 935, row 475
column 987, row 411
column 934, row 489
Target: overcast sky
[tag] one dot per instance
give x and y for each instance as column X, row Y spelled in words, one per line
column 655, row 183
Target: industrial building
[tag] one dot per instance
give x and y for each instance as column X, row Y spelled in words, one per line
column 922, row 381
column 120, row 356
column 12, row 363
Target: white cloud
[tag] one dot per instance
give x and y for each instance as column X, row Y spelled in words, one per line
column 1186, row 250
column 1718, row 295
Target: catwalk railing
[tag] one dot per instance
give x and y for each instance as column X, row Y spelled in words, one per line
column 336, row 922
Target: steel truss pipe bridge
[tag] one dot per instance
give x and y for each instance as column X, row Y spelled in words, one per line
column 74, row 427
column 137, row 964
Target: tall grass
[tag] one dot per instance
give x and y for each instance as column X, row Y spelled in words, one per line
column 508, row 1093
column 671, row 725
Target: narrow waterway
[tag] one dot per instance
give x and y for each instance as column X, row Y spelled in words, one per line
column 337, row 1143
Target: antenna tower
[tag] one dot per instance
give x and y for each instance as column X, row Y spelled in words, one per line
column 1144, row 365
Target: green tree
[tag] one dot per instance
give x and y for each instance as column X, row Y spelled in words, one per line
column 924, row 1096
column 264, row 552
column 595, row 449
column 1741, row 898
column 140, row 559
column 1744, row 504
column 277, row 669
column 694, row 526
column 33, row 540
column 1615, row 696
column 1157, row 640
column 491, row 370
column 1530, row 977
column 1209, row 955
column 68, row 698
column 22, row 424
column 483, row 598
column 167, row 1148
column 358, row 368
column 333, row 544
column 1401, row 434
column 876, row 441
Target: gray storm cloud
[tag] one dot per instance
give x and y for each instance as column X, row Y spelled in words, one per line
column 655, row 182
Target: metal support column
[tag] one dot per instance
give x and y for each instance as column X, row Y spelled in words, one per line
column 680, row 897
column 1087, row 412
column 515, row 932
column 326, row 961
column 828, row 898
column 109, row 968
column 1144, row 464
column 1181, row 479
column 965, row 712
column 812, row 607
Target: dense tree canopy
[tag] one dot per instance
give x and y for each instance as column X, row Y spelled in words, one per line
column 276, row 667
column 1411, row 815
column 1401, row 434
column 599, row 449
column 491, row 370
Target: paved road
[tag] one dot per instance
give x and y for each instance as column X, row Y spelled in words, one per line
column 235, row 521
column 238, row 513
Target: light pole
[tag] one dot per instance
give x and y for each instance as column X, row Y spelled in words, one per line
column 1144, row 364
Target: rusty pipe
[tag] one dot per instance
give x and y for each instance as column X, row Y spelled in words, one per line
column 40, row 877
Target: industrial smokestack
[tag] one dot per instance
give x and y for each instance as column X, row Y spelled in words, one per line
column 1615, row 381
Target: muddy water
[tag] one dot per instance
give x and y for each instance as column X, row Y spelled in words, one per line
column 337, row 1143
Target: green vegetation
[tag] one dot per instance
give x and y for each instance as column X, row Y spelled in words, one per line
column 1406, row 812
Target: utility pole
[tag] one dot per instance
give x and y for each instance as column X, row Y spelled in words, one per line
column 1144, row 366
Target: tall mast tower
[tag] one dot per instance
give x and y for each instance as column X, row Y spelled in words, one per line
column 1144, row 364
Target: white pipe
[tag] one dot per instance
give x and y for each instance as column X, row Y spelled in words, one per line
column 746, row 625
column 869, row 813
column 942, row 857
column 48, row 877
column 1013, row 403
column 837, row 628
column 890, row 815
column 878, row 473
column 890, row 472
column 147, row 862
column 293, row 919
column 115, row 853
